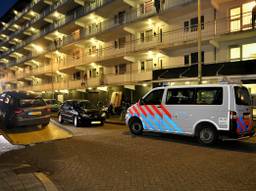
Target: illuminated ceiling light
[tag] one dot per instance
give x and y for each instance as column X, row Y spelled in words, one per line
column 89, row 88
column 16, row 26
column 144, row 85
column 103, row 88
column 3, row 23
column 15, row 12
column 38, row 48
column 187, row 83
column 94, row 65
column 56, row 14
column 64, row 91
column 205, row 82
column 32, row 13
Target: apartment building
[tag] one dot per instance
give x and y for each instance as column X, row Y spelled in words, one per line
column 92, row 48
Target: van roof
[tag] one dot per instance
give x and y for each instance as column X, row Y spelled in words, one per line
column 202, row 85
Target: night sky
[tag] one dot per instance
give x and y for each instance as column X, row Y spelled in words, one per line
column 5, row 5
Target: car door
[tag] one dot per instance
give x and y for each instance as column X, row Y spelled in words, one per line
column 178, row 109
column 64, row 111
column 149, row 110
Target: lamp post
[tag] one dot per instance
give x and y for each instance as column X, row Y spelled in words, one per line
column 199, row 39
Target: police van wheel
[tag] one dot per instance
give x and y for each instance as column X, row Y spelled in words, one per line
column 136, row 127
column 207, row 135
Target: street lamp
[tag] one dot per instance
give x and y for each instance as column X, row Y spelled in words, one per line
column 199, row 29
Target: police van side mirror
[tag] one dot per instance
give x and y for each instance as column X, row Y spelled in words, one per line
column 141, row 101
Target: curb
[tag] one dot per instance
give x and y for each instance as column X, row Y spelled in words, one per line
column 61, row 126
column 115, row 122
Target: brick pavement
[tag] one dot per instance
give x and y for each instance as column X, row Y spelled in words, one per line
column 110, row 158
column 11, row 181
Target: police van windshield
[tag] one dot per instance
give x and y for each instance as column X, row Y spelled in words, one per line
column 242, row 96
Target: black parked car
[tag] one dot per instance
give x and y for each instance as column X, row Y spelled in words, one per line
column 80, row 112
column 23, row 109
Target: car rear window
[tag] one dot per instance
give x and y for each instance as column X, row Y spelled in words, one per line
column 86, row 105
column 242, row 96
column 32, row 102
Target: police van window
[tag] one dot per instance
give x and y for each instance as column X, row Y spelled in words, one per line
column 242, row 96
column 153, row 98
column 180, row 96
column 209, row 96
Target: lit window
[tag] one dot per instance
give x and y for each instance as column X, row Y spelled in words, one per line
column 249, row 51
column 247, row 14
column 235, row 53
column 235, row 19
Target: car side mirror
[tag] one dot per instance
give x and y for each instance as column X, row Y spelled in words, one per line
column 141, row 101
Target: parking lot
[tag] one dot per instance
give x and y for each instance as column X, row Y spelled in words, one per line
column 110, row 158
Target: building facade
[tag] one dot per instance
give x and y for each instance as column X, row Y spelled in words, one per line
column 92, row 48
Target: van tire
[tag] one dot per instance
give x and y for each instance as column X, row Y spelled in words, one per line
column 207, row 134
column 136, row 126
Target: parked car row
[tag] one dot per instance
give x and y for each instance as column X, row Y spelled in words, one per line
column 207, row 112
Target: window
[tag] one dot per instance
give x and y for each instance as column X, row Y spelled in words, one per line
column 209, row 96
column 186, row 26
column 235, row 19
column 149, row 35
column 235, row 53
column 121, row 42
column 120, row 69
column 194, row 23
column 153, row 98
column 180, row 96
column 186, row 59
column 31, row 102
column 249, row 51
column 142, row 66
column 93, row 73
column 142, row 37
column 242, row 96
column 194, row 57
column 241, row 17
column 243, row 52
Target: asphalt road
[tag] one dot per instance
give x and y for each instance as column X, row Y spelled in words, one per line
column 110, row 158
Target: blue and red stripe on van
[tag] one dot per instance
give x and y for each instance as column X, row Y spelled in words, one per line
column 154, row 119
column 244, row 126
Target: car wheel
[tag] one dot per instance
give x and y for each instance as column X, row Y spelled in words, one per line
column 136, row 127
column 60, row 118
column 207, row 135
column 76, row 121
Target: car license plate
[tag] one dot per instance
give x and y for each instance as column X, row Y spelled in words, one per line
column 35, row 113
column 95, row 122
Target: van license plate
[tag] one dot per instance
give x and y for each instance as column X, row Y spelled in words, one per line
column 96, row 122
column 35, row 113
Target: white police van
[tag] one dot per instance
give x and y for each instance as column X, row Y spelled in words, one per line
column 207, row 112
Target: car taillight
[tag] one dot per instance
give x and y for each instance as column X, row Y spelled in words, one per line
column 233, row 115
column 18, row 111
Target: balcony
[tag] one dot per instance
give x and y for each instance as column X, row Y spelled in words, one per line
column 46, row 12
column 104, row 26
column 33, row 3
column 79, row 12
column 127, row 78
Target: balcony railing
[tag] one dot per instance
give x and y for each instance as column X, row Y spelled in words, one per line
column 46, row 12
column 32, row 4
column 104, row 26
column 79, row 12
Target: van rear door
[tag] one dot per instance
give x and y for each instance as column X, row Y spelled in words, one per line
column 243, row 110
